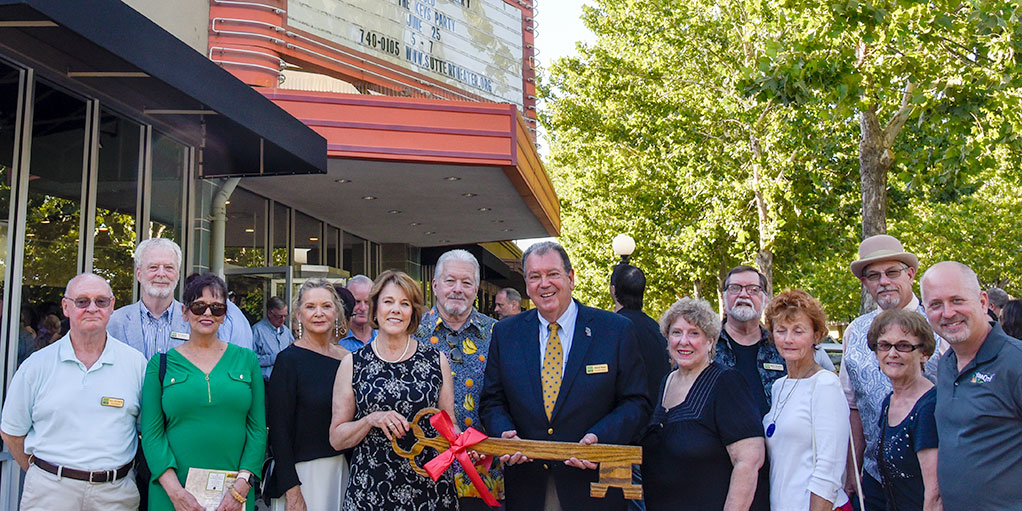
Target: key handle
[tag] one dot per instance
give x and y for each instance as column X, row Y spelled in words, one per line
column 615, row 460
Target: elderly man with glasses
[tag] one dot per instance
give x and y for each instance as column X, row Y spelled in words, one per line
column 887, row 272
column 456, row 328
column 71, row 411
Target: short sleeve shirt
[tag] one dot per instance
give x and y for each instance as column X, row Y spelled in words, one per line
column 900, row 444
column 82, row 418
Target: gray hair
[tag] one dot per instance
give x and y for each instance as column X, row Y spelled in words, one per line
column 546, row 246
column 83, row 276
column 998, row 296
column 970, row 277
column 359, row 279
column 697, row 312
column 144, row 247
column 512, row 294
column 459, row 255
column 274, row 303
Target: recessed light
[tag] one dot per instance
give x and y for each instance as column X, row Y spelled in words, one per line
column 497, row 221
column 313, row 239
column 249, row 230
column 394, row 212
column 508, row 230
column 342, row 181
column 429, row 232
column 413, row 224
column 445, row 241
column 368, row 197
column 484, row 209
column 468, row 195
column 452, row 178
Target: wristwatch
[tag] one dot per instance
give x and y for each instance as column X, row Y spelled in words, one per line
column 245, row 476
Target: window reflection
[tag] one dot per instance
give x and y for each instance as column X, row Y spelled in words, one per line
column 245, row 234
column 169, row 168
column 116, row 200
column 308, row 238
column 355, row 254
column 281, row 228
column 10, row 82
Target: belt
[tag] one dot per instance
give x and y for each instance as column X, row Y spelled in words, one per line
column 96, row 476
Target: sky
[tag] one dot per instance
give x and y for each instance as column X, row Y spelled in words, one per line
column 558, row 28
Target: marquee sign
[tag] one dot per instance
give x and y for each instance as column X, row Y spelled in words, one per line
column 474, row 45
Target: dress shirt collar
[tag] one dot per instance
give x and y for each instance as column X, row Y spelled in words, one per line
column 66, row 352
column 565, row 323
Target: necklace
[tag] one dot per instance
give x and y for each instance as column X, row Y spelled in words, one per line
column 408, row 342
column 773, row 419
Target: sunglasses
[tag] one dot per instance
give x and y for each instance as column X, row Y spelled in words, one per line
column 217, row 309
column 82, row 302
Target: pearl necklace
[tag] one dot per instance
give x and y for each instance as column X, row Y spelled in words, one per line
column 408, row 342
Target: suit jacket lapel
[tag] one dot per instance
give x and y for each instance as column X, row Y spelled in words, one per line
column 580, row 343
column 533, row 365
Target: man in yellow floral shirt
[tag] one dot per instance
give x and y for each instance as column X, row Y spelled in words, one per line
column 456, row 328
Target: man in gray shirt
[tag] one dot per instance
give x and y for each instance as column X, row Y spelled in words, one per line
column 979, row 395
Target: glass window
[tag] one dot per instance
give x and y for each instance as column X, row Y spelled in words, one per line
column 10, row 85
column 116, row 203
column 375, row 259
column 281, row 228
column 52, row 223
column 308, row 239
column 245, row 237
column 355, row 255
column 333, row 240
column 169, row 169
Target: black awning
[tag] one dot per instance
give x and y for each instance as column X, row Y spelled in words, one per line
column 113, row 49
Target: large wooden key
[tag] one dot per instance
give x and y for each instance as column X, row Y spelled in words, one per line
column 615, row 460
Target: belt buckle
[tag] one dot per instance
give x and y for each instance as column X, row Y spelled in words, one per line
column 91, row 473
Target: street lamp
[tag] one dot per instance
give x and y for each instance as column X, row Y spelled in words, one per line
column 623, row 245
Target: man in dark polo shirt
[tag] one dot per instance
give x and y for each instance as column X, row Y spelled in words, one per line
column 979, row 395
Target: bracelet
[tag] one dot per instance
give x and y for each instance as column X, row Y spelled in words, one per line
column 237, row 496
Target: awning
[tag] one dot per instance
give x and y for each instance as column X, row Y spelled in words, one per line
column 111, row 48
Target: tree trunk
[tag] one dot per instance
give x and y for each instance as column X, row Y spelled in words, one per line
column 765, row 256
column 874, row 162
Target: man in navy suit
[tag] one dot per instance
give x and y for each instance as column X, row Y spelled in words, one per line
column 562, row 372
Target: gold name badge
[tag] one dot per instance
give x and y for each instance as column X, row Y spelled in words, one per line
column 179, row 335
column 112, row 401
column 773, row 367
column 597, row 368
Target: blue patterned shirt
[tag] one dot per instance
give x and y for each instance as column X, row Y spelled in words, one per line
column 466, row 350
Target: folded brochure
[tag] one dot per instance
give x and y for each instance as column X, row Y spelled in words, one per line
column 208, row 486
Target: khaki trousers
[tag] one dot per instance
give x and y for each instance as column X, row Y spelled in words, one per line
column 46, row 492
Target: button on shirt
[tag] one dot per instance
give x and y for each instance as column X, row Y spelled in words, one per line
column 268, row 340
column 565, row 331
column 57, row 404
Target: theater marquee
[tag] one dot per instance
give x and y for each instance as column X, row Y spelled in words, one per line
column 475, row 45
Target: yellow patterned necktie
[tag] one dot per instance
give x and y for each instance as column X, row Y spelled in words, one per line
column 552, row 369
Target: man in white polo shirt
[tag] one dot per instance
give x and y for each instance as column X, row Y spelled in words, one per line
column 71, row 411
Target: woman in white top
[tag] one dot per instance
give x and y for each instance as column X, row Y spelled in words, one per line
column 807, row 426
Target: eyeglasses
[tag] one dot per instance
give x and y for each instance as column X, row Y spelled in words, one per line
column 892, row 274
column 82, row 302
column 752, row 289
column 902, row 347
column 216, row 308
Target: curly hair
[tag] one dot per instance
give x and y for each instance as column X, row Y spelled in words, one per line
column 697, row 312
column 785, row 306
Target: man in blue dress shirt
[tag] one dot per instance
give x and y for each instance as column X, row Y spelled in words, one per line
column 270, row 335
column 359, row 331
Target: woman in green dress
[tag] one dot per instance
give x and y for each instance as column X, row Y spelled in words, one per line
column 208, row 410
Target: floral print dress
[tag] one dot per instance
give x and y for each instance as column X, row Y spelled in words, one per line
column 379, row 478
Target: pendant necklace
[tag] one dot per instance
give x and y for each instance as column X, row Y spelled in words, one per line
column 773, row 419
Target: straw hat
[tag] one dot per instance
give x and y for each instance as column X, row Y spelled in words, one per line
column 882, row 248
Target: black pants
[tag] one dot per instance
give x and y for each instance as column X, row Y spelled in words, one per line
column 872, row 493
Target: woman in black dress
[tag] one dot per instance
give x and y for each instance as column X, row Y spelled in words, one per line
column 705, row 444
column 308, row 472
column 907, row 457
column 378, row 390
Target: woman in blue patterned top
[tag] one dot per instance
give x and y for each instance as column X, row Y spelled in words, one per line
column 907, row 457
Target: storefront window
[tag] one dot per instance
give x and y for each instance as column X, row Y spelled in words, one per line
column 333, row 241
column 245, row 237
column 355, row 255
column 52, row 223
column 308, row 239
column 116, row 203
column 281, row 227
column 169, row 169
column 10, row 82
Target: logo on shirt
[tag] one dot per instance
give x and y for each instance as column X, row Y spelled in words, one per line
column 979, row 377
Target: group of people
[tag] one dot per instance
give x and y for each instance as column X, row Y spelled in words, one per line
column 718, row 406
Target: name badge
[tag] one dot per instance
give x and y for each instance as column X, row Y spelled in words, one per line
column 179, row 335
column 112, row 401
column 773, row 367
column 597, row 368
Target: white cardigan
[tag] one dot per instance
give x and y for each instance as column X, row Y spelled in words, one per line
column 816, row 406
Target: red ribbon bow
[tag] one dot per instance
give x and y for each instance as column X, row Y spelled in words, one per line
column 436, row 466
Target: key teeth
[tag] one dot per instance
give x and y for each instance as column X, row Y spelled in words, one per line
column 631, row 491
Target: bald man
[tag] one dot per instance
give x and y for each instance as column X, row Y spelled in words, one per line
column 979, row 395
column 71, row 410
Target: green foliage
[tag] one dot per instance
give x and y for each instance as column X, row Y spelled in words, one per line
column 670, row 124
